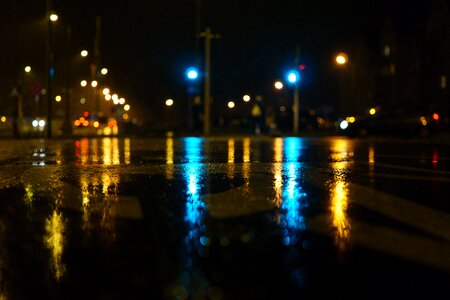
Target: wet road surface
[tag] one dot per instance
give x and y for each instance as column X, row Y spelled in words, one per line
column 224, row 218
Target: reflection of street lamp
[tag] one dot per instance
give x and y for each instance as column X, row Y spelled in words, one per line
column 293, row 78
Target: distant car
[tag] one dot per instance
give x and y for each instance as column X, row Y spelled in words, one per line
column 391, row 122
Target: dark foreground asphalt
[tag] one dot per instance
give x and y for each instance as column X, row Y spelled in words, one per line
column 224, row 218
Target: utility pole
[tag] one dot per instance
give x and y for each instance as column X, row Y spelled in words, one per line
column 50, row 70
column 207, row 84
column 296, row 106
column 67, row 128
column 97, row 63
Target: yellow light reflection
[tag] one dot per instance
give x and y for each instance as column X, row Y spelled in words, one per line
column 54, row 241
column 127, row 151
column 342, row 156
column 231, row 165
column 277, row 169
column 29, row 194
column 94, row 149
column 115, row 151
column 246, row 159
column 338, row 207
column 246, row 150
column 84, row 147
column 169, row 158
column 371, row 159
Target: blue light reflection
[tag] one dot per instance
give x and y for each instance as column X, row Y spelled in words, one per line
column 192, row 173
column 292, row 220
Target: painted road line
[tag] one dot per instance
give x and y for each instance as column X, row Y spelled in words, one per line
column 426, row 219
column 418, row 249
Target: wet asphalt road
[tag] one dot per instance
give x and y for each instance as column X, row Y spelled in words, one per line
column 224, row 218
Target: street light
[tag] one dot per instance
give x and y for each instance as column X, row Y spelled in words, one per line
column 54, row 17
column 341, row 58
column 83, row 83
column 104, row 71
column 231, row 104
column 246, row 98
column 278, row 85
column 192, row 73
column 27, row 69
column 293, row 78
column 169, row 102
column 84, row 53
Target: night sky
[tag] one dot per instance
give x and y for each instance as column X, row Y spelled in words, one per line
column 148, row 44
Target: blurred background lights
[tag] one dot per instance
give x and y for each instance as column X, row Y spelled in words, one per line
column 293, row 76
column 83, row 83
column 105, row 91
column 107, row 97
column 126, row 107
column 169, row 102
column 343, row 125
column 341, row 58
column 54, row 17
column 58, row 98
column 122, row 101
column 28, row 69
column 372, row 111
column 192, row 73
column 104, row 71
column 246, row 98
column 231, row 104
column 278, row 85
column 84, row 53
column 94, row 83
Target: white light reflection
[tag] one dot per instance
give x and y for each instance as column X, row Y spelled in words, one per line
column 292, row 220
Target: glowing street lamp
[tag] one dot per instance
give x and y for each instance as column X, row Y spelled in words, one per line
column 83, row 83
column 94, row 83
column 54, row 17
column 106, row 91
column 126, row 107
column 27, row 69
column 58, row 98
column 192, row 73
column 293, row 78
column 84, row 53
column 231, row 104
column 278, row 85
column 169, row 102
column 341, row 58
column 246, row 98
column 104, row 71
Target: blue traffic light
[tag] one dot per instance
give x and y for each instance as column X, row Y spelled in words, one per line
column 293, row 76
column 192, row 73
